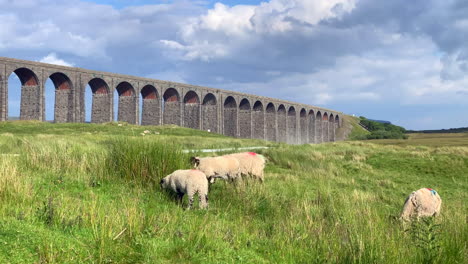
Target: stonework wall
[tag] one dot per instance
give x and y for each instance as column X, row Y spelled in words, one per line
column 311, row 129
column 230, row 122
column 210, row 118
column 318, row 130
column 270, row 126
column 291, row 137
column 258, row 124
column 63, row 106
column 331, row 131
column 192, row 116
column 3, row 94
column 282, row 137
column 150, row 112
column 304, row 133
column 127, row 109
column 30, row 103
column 325, row 131
column 171, row 115
column 218, row 113
column 245, row 124
column 100, row 108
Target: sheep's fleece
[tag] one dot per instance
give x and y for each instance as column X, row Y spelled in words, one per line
column 423, row 202
column 250, row 164
column 218, row 167
column 188, row 182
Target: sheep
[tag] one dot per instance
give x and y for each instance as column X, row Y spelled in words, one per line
column 226, row 168
column 421, row 203
column 250, row 163
column 188, row 182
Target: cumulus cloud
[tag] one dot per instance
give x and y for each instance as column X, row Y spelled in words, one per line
column 53, row 59
column 357, row 56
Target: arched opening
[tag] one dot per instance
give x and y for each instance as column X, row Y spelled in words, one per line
column 126, row 103
column 270, row 122
column 230, row 117
column 318, row 128
column 58, row 89
column 192, row 110
column 171, row 108
column 100, row 101
column 210, row 113
column 292, row 126
column 25, row 102
column 331, row 128
column 258, row 121
column 311, row 126
column 304, row 128
column 281, row 123
column 150, row 106
column 245, row 119
column 325, row 134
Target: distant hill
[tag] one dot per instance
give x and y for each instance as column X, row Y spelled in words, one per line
column 381, row 130
column 450, row 130
column 380, row 121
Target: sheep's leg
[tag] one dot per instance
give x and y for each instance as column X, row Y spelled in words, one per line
column 203, row 198
column 180, row 195
column 190, row 194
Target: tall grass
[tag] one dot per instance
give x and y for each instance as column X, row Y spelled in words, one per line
column 69, row 199
column 144, row 160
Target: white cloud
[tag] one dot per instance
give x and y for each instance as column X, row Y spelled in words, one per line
column 228, row 28
column 53, row 59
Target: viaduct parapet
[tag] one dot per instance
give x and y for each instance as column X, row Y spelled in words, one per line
column 220, row 111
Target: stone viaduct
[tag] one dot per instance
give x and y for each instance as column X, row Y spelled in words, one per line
column 218, row 111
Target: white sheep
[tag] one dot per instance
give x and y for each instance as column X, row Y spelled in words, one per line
column 226, row 168
column 420, row 203
column 250, row 164
column 188, row 182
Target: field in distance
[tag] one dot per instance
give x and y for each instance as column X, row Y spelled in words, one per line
column 429, row 139
column 84, row 193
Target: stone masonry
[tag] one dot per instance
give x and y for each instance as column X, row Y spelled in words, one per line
column 219, row 111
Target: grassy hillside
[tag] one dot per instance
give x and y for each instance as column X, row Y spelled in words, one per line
column 351, row 129
column 77, row 193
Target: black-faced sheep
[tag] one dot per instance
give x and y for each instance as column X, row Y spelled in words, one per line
column 227, row 168
column 420, row 203
column 188, row 182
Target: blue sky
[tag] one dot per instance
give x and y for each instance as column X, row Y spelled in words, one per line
column 402, row 61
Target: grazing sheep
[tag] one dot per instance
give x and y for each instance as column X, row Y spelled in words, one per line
column 226, row 168
column 420, row 203
column 250, row 163
column 188, row 182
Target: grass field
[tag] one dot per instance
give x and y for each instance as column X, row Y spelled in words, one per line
column 434, row 140
column 81, row 193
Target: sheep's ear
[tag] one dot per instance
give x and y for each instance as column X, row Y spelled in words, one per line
column 195, row 161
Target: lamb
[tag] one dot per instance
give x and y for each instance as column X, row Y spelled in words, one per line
column 226, row 168
column 188, row 182
column 421, row 203
column 250, row 163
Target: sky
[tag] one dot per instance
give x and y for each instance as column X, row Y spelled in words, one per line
column 401, row 61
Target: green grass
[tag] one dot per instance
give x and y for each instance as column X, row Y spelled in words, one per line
column 434, row 140
column 80, row 193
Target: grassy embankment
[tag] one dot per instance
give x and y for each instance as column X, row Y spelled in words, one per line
column 87, row 194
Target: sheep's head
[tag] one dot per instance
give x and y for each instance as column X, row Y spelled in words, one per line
column 163, row 183
column 195, row 161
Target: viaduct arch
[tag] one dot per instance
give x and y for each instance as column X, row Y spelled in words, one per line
column 154, row 102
